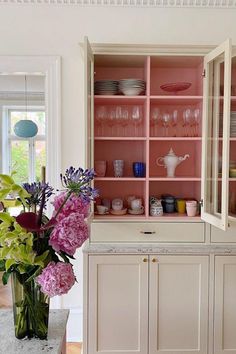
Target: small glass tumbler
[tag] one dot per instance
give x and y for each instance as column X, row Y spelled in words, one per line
column 118, row 168
column 100, row 168
column 139, row 169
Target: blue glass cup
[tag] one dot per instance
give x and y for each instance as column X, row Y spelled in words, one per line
column 139, row 169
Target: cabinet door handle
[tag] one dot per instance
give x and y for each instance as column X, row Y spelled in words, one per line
column 148, row 232
column 154, row 260
column 145, row 260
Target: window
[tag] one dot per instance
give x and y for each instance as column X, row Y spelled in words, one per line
column 25, row 156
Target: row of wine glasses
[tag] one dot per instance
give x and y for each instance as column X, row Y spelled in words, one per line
column 120, row 120
column 175, row 123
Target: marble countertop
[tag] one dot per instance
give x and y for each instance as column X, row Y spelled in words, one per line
column 135, row 248
column 53, row 345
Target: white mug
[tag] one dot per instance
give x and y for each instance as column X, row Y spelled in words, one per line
column 129, row 200
column 136, row 204
column 102, row 209
column 117, row 204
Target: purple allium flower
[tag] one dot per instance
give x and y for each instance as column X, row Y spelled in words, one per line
column 56, row 279
column 69, row 234
column 75, row 204
column 36, row 191
column 78, row 182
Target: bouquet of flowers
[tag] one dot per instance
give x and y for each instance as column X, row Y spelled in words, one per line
column 36, row 251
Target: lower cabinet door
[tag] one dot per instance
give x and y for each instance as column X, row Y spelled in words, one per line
column 178, row 311
column 225, row 305
column 118, row 304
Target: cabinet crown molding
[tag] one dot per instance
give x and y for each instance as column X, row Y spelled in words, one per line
column 226, row 4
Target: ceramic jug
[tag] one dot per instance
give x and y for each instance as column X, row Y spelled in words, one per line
column 156, row 208
column 171, row 161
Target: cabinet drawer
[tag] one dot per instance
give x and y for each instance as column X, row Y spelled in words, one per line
column 220, row 236
column 147, row 232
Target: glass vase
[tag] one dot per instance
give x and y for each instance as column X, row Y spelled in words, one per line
column 30, row 308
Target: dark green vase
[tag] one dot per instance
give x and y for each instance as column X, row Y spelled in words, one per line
column 30, row 308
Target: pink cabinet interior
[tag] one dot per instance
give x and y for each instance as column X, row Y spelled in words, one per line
column 144, row 127
column 128, row 151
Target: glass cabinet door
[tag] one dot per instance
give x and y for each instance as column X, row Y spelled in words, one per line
column 216, row 132
column 88, row 107
column 232, row 149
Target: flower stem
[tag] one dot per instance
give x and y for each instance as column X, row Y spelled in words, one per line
column 60, row 208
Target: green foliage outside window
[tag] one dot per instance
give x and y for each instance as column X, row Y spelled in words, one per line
column 20, row 148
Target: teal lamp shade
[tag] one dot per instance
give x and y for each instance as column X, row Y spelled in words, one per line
column 25, row 128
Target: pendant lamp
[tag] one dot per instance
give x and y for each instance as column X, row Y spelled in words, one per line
column 26, row 128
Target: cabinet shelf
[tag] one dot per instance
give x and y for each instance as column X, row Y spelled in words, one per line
column 120, row 179
column 119, row 217
column 176, row 217
column 175, row 179
column 114, row 99
column 119, row 138
column 175, row 138
column 165, row 217
column 176, row 99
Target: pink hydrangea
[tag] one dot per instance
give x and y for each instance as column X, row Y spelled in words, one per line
column 74, row 204
column 69, row 234
column 56, row 279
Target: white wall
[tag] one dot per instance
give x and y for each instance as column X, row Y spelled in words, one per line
column 16, row 83
column 58, row 29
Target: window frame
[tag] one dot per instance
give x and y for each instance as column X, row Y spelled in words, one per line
column 8, row 137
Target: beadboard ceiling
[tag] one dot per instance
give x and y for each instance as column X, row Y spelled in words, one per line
column 220, row 4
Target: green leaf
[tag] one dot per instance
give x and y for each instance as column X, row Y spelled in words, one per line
column 21, row 268
column 64, row 257
column 4, row 192
column 5, row 277
column 42, row 257
column 34, row 275
column 17, row 203
column 2, row 265
column 6, row 217
column 9, row 263
column 6, row 179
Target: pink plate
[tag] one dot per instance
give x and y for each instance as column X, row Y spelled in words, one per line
column 118, row 212
column 175, row 86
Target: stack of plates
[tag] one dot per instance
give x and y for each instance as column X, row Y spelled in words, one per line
column 106, row 87
column 131, row 87
column 232, row 124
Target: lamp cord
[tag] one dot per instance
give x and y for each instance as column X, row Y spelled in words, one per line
column 26, row 103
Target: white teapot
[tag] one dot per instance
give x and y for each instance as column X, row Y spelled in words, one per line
column 171, row 161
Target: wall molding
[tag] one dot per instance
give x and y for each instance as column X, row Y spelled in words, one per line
column 213, row 4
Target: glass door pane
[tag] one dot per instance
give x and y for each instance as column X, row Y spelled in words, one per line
column 232, row 155
column 89, row 104
column 216, row 112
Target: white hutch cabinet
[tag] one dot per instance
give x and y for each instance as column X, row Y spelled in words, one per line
column 162, row 284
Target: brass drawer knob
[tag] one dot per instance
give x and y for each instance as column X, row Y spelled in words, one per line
column 145, row 260
column 154, row 260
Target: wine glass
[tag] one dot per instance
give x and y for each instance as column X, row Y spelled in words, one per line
column 155, row 118
column 166, row 119
column 196, row 115
column 124, row 119
column 118, row 118
column 111, row 119
column 136, row 118
column 174, row 122
column 101, row 115
column 190, row 121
